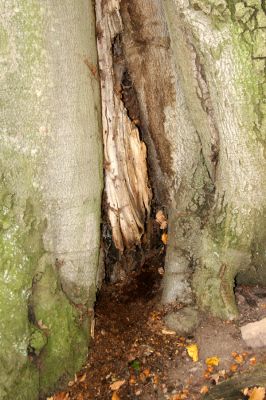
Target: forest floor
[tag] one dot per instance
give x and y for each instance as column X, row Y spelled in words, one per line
column 135, row 356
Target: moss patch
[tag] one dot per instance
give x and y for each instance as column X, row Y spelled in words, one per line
column 63, row 325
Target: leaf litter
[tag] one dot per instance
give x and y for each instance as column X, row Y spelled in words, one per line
column 135, row 356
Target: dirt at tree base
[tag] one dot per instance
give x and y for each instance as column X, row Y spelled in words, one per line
column 133, row 349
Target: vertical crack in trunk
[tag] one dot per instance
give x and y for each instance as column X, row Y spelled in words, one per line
column 128, row 194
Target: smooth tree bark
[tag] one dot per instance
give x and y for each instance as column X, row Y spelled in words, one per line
column 50, row 191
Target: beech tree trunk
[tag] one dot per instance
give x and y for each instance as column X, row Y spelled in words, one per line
column 50, row 192
column 183, row 128
column 196, row 69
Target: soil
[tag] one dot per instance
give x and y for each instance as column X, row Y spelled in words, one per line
column 133, row 349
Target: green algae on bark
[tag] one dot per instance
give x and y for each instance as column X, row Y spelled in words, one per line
column 33, row 359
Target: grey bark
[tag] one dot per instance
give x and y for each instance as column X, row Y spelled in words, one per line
column 197, row 76
column 50, row 191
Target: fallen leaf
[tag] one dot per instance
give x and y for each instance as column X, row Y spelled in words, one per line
column 168, row 332
column 147, row 372
column 83, row 377
column 234, row 368
column 41, row 325
column 61, row 396
column 257, row 393
column 212, row 361
column 50, row 398
column 239, row 358
column 204, row 389
column 161, row 219
column 164, row 238
column 117, row 385
column 155, row 380
column 132, row 380
column 115, row 396
column 192, row 350
column 252, row 361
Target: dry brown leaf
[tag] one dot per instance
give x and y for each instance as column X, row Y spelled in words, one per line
column 147, row 372
column 164, row 238
column 41, row 325
column 61, row 396
column 239, row 359
column 83, row 377
column 257, row 393
column 115, row 396
column 234, row 368
column 252, row 361
column 155, row 380
column 117, row 385
column 161, row 219
column 132, row 380
column 204, row 389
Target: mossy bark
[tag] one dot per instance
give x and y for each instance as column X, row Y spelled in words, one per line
column 50, row 140
column 218, row 54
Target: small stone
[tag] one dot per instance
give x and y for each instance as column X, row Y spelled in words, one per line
column 254, row 333
column 183, row 322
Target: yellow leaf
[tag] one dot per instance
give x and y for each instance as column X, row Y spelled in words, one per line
column 193, row 352
column 117, row 385
column 212, row 361
column 258, row 393
column 164, row 238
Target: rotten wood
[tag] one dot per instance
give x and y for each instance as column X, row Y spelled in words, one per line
column 126, row 179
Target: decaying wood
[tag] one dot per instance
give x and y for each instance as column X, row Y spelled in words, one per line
column 231, row 389
column 126, row 179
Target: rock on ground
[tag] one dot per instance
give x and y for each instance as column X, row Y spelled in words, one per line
column 183, row 322
column 254, row 333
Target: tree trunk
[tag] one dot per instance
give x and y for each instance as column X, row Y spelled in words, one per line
column 196, row 71
column 182, row 113
column 50, row 198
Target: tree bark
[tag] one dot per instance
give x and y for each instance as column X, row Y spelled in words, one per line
column 50, row 192
column 196, row 68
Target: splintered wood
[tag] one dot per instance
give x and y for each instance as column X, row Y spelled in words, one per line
column 126, row 179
